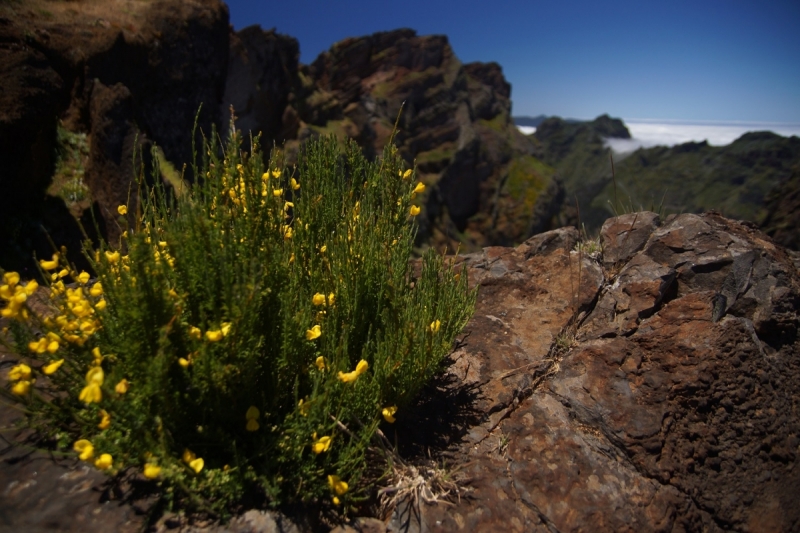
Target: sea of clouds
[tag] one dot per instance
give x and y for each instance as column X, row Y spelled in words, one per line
column 649, row 132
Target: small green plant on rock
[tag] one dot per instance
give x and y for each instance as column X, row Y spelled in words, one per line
column 248, row 337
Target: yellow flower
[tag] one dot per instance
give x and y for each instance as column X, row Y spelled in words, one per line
column 320, row 362
column 21, row 388
column 195, row 333
column 197, row 465
column 407, row 174
column 104, row 462
column 113, row 257
column 83, row 277
column 277, row 192
column 52, row 367
column 287, row 231
column 98, row 357
column 188, row 456
column 151, row 471
column 19, row 372
column 323, row 249
column 50, row 265
column 11, row 278
column 434, row 327
column 101, row 304
column 331, row 299
column 276, row 173
column 318, row 299
column 388, row 413
column 184, row 362
column 313, row 333
column 97, row 289
column 304, row 407
column 105, row 419
column 336, row 500
column 214, row 335
column 414, row 210
column 337, row 485
column 122, row 387
column 321, row 444
column 350, row 377
column 225, row 328
column 252, row 415
column 419, row 188
column 91, row 393
column 84, row 448
column 122, row 210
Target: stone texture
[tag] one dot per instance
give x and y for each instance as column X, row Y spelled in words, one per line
column 674, row 409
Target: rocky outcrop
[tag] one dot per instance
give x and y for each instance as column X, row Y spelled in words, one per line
column 653, row 391
column 484, row 184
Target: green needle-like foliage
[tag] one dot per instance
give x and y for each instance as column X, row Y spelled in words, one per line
column 249, row 335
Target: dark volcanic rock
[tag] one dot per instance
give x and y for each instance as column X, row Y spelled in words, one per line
column 672, row 406
column 170, row 56
column 262, row 74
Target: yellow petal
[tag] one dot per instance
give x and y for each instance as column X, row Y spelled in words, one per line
column 388, row 414
column 252, row 413
column 105, row 419
column 188, row 456
column 21, row 388
column 52, row 367
column 184, row 362
column 91, row 393
column 104, row 462
column 122, row 387
column 318, row 299
column 313, row 333
column 252, row 425
column 151, row 471
column 197, row 465
column 214, row 336
column 95, row 375
column 84, row 448
column 320, row 362
column 407, row 174
column 21, row 371
column 362, row 367
column 419, row 188
column 122, row 210
column 414, row 211
column 97, row 289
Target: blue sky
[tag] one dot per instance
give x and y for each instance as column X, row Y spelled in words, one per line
column 707, row 60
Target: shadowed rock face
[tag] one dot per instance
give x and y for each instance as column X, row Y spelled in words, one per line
column 115, row 70
column 662, row 396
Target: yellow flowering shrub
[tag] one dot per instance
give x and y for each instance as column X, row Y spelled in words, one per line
column 247, row 336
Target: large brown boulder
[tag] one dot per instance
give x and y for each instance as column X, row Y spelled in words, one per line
column 657, row 391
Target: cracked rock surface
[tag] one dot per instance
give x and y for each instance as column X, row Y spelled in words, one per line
column 663, row 395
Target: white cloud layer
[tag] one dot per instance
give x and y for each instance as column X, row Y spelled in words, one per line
column 647, row 133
